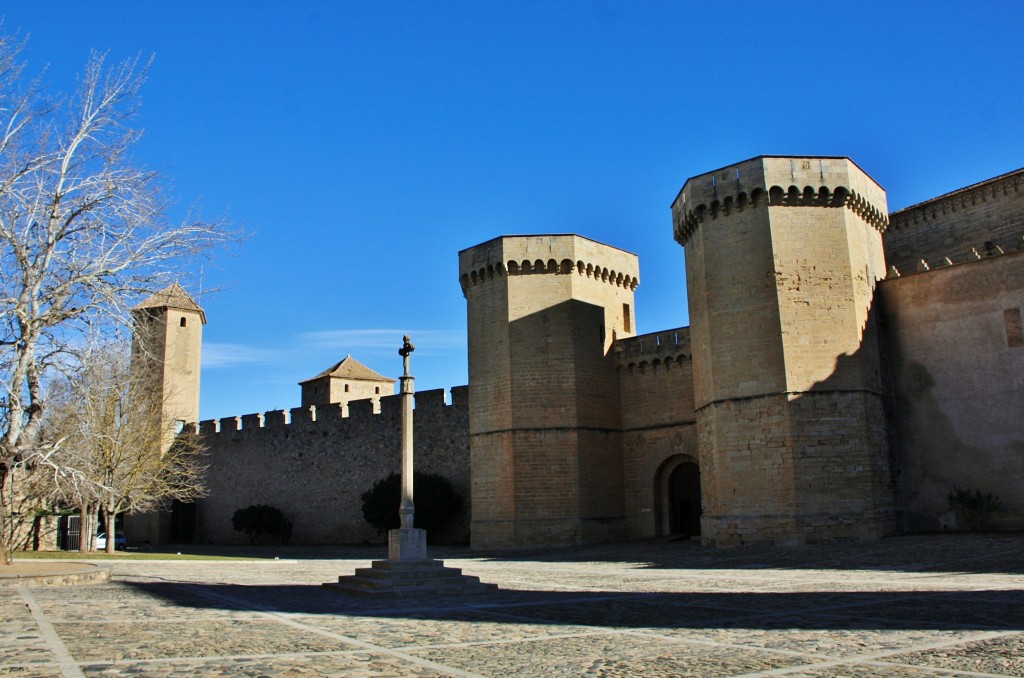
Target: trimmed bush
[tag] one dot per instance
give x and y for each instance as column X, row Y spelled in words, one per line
column 437, row 503
column 260, row 519
column 973, row 509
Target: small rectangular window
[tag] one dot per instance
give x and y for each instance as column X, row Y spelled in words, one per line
column 627, row 326
column 1014, row 330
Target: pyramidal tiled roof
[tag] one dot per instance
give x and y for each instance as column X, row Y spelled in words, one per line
column 350, row 368
column 173, row 296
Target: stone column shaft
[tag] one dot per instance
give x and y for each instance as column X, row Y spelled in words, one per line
column 407, row 508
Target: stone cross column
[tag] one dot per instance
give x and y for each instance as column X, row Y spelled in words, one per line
column 406, row 508
column 407, row 543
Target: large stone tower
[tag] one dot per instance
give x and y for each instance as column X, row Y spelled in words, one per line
column 544, row 415
column 782, row 258
column 168, row 341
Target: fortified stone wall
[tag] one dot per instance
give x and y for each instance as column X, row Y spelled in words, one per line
column 656, row 390
column 956, row 354
column 314, row 464
column 979, row 220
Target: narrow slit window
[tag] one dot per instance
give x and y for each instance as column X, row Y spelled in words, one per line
column 1014, row 329
column 627, row 325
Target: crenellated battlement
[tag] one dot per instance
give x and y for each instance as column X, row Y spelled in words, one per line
column 982, row 220
column 427, row 403
column 547, row 255
column 665, row 349
column 777, row 182
column 937, row 209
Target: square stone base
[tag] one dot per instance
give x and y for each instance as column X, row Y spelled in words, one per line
column 410, row 544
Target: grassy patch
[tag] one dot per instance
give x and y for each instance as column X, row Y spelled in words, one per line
column 122, row 555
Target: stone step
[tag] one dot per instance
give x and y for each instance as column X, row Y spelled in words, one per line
column 392, row 578
column 417, row 573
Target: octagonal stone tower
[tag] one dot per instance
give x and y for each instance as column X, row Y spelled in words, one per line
column 544, row 416
column 782, row 258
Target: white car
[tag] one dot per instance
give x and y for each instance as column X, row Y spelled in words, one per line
column 120, row 542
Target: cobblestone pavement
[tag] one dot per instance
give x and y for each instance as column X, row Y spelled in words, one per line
column 949, row 605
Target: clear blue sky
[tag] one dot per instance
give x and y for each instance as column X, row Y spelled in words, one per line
column 364, row 144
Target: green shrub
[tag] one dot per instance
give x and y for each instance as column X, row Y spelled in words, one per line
column 437, row 503
column 975, row 508
column 260, row 519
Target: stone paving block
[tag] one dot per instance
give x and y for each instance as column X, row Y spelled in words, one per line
column 826, row 641
column 627, row 613
column 40, row 671
column 1002, row 656
column 867, row 670
column 440, row 629
column 153, row 640
column 355, row 665
column 116, row 603
column 22, row 643
column 602, row 654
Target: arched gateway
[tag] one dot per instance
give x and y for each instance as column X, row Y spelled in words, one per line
column 677, row 496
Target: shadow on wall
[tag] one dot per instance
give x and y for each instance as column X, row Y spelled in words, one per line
column 958, row 378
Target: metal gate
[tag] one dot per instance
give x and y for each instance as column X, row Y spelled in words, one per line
column 69, row 537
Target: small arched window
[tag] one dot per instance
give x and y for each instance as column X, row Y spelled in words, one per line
column 182, row 322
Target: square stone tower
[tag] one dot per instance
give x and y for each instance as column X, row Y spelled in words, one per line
column 782, row 258
column 544, row 415
column 168, row 339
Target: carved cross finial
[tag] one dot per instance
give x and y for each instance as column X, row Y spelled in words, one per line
column 405, row 351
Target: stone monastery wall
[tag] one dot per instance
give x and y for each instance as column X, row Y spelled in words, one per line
column 314, row 464
column 980, row 220
column 956, row 350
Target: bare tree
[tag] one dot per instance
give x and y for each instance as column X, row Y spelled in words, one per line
column 119, row 450
column 83, row 234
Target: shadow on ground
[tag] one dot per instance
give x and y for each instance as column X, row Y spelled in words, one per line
column 1001, row 610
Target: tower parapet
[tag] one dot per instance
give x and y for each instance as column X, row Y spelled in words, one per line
column 776, row 180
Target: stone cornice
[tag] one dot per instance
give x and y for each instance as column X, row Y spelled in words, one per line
column 581, row 268
column 686, row 222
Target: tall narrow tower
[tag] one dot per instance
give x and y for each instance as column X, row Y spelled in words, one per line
column 544, row 409
column 168, row 340
column 782, row 258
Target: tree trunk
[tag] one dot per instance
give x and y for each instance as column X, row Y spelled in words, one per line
column 87, row 528
column 6, row 516
column 110, row 522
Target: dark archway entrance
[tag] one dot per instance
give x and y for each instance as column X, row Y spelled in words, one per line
column 684, row 499
column 183, row 522
column 677, row 502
